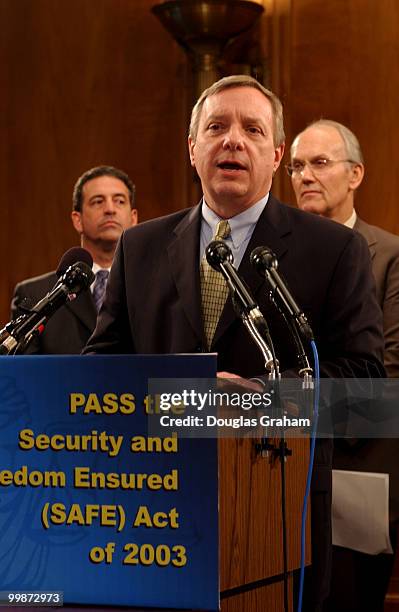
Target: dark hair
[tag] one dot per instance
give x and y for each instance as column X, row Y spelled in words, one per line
column 77, row 196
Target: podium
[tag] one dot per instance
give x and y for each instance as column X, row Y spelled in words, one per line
column 36, row 400
column 251, row 560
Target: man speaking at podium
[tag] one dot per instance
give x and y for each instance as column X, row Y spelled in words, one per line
column 159, row 301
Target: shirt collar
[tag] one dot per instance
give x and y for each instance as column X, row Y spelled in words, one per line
column 352, row 220
column 240, row 225
column 96, row 268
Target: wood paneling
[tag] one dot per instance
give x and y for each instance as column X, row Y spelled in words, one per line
column 267, row 598
column 83, row 83
column 344, row 66
column 250, row 521
column 250, row 511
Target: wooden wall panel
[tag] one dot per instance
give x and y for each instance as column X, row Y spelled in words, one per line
column 344, row 66
column 83, row 83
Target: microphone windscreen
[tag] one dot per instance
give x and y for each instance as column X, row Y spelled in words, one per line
column 218, row 252
column 262, row 259
column 71, row 257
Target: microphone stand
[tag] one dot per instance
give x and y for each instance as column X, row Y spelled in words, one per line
column 271, row 364
column 259, row 332
column 18, row 334
column 264, row 446
column 219, row 256
column 7, row 340
column 266, row 264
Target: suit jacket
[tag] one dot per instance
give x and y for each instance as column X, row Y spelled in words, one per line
column 68, row 329
column 384, row 253
column 153, row 299
column 376, row 455
column 153, row 305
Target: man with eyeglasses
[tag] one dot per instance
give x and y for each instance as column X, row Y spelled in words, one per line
column 326, row 169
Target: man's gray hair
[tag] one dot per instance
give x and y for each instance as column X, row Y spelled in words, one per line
column 352, row 146
column 240, row 80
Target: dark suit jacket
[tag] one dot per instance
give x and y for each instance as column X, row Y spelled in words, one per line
column 153, row 305
column 153, row 299
column 377, row 455
column 68, row 329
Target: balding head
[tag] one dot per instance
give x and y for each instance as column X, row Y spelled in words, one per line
column 326, row 168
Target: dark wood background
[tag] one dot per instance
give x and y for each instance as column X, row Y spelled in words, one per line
column 87, row 82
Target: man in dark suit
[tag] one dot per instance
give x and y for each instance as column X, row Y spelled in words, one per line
column 103, row 206
column 156, row 297
column 326, row 170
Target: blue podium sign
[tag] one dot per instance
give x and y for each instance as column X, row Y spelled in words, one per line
column 90, row 503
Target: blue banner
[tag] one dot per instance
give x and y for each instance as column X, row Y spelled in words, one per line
column 90, row 504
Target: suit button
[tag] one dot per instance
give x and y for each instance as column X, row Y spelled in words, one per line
column 199, row 349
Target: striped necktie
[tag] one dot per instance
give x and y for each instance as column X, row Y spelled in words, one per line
column 99, row 288
column 214, row 289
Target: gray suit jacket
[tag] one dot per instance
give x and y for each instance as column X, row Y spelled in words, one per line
column 384, row 252
column 376, row 455
column 69, row 328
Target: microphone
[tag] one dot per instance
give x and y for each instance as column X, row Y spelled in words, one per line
column 75, row 275
column 265, row 263
column 220, row 258
column 71, row 256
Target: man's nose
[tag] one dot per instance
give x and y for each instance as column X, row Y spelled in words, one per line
column 306, row 174
column 233, row 139
column 109, row 206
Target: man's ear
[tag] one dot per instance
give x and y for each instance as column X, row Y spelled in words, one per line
column 191, row 145
column 357, row 174
column 278, row 156
column 76, row 218
column 134, row 216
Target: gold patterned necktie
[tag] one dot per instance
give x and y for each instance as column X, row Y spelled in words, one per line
column 214, row 289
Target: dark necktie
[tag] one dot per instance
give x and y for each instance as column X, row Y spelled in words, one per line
column 99, row 288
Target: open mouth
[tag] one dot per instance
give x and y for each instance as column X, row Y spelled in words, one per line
column 231, row 165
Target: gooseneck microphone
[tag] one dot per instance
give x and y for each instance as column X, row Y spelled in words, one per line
column 265, row 262
column 75, row 275
column 220, row 258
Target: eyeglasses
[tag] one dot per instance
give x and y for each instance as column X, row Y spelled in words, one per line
column 317, row 166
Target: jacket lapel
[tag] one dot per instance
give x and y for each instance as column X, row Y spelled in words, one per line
column 368, row 233
column 271, row 229
column 183, row 254
column 83, row 308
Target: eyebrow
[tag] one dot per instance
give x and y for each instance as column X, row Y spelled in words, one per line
column 113, row 195
column 317, row 156
column 216, row 117
column 246, row 119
